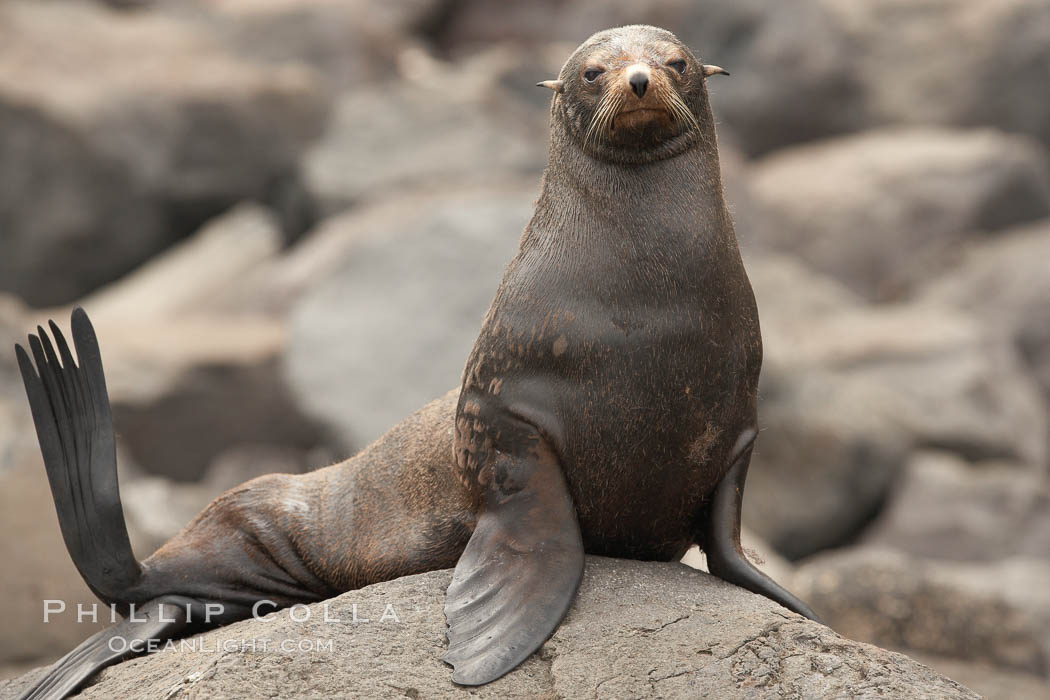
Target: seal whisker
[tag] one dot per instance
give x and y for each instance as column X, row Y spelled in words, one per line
column 610, row 113
column 679, row 108
column 596, row 121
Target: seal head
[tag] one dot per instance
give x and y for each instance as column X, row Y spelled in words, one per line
column 632, row 94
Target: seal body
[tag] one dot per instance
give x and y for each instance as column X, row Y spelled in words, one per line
column 609, row 402
column 608, row 406
column 625, row 328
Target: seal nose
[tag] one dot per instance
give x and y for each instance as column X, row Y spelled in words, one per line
column 639, row 82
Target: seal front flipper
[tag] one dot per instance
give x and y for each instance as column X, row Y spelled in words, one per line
column 519, row 573
column 721, row 540
column 74, row 424
column 159, row 619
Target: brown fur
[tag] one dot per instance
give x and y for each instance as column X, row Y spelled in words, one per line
column 394, row 509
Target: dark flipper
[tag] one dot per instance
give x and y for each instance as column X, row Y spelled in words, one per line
column 70, row 408
column 519, row 573
column 159, row 619
column 725, row 557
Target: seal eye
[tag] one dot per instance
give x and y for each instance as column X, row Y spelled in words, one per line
column 678, row 64
column 591, row 74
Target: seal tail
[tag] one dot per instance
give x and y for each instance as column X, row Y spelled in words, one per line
column 74, row 425
column 725, row 556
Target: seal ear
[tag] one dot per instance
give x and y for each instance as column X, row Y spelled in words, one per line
column 557, row 85
column 713, row 70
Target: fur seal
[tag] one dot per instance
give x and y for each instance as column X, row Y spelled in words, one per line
column 608, row 406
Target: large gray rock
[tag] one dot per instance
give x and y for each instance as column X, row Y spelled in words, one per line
column 349, row 42
column 100, row 171
column 383, row 140
column 16, row 433
column 826, row 457
column 391, row 325
column 848, row 390
column 998, row 614
column 1000, row 47
column 185, row 390
column 210, row 272
column 193, row 367
column 945, row 508
column 938, row 373
column 882, row 210
column 1005, row 281
column 636, row 630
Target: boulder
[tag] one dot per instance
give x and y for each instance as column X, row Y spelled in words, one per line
column 16, row 432
column 192, row 358
column 212, row 271
column 945, row 508
column 99, row 172
column 385, row 139
column 391, row 324
column 882, row 210
column 186, row 390
column 826, row 457
column 349, row 42
column 947, row 380
column 848, row 390
column 996, row 614
column 1004, row 281
column 1000, row 47
column 636, row 629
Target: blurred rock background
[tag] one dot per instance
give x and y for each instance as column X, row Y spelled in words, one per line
column 287, row 218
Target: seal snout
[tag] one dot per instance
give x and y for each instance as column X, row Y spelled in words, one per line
column 638, row 79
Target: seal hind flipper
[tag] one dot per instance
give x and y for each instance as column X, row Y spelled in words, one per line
column 725, row 556
column 159, row 619
column 519, row 573
column 74, row 425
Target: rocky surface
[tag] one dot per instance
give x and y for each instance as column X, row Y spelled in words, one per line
column 636, row 630
column 385, row 140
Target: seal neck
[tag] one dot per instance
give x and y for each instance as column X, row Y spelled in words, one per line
column 591, row 201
